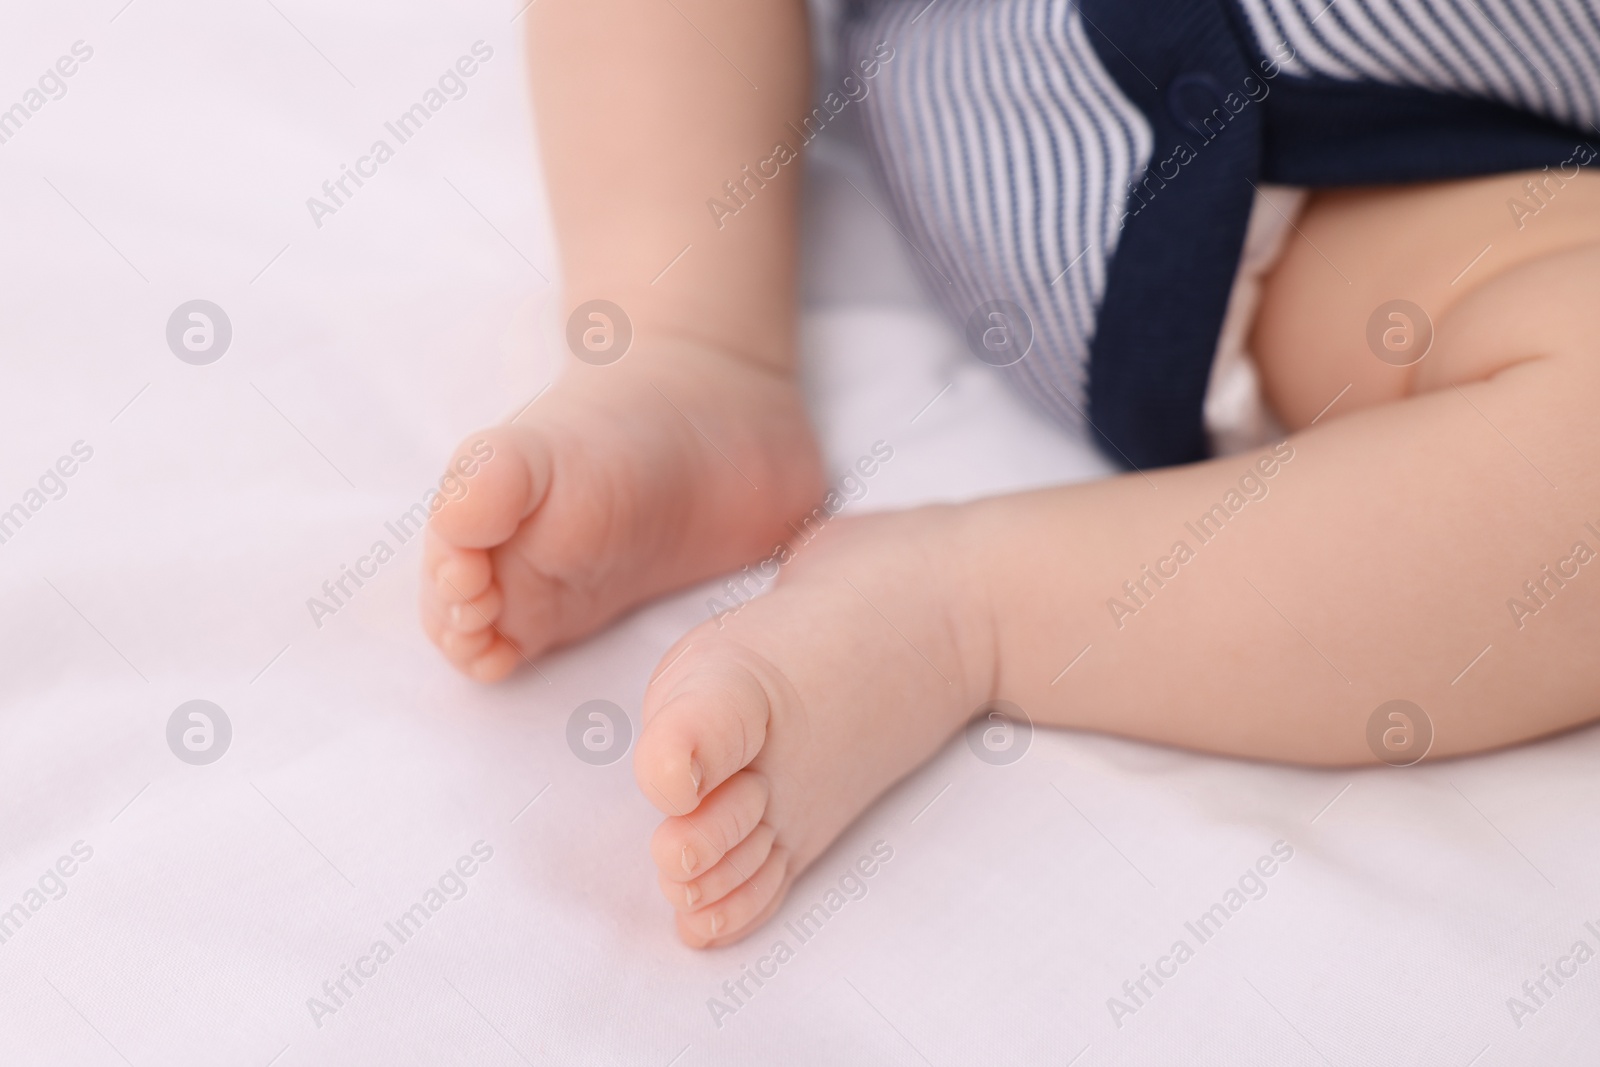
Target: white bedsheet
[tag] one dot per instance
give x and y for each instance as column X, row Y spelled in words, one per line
column 216, row 900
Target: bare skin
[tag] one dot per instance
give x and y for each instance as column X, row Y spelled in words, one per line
column 686, row 458
column 1374, row 562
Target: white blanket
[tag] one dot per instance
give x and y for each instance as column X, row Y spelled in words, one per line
column 169, row 913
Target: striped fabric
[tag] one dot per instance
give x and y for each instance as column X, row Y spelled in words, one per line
column 1008, row 151
column 1538, row 56
column 1010, row 134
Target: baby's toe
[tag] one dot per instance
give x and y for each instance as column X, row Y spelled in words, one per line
column 462, row 647
column 493, row 482
column 729, row 873
column 495, row 662
column 452, row 578
column 482, row 652
column 478, row 613
column 687, row 846
column 456, row 573
column 461, row 603
column 740, row 910
column 710, row 727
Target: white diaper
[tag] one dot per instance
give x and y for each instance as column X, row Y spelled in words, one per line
column 1236, row 414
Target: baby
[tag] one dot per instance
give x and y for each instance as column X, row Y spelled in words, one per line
column 1076, row 182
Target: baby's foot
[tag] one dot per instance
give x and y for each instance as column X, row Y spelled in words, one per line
column 622, row 483
column 765, row 738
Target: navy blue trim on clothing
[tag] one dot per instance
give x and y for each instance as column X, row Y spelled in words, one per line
column 1324, row 133
column 1168, row 285
column 1095, row 162
column 1173, row 269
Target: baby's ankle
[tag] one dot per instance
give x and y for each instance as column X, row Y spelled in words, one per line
column 961, row 595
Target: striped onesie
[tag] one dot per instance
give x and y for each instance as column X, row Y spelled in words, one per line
column 1082, row 175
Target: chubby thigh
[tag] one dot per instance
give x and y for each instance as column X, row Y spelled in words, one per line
column 1384, row 292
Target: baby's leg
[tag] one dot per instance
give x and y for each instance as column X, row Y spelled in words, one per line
column 1392, row 549
column 685, row 457
column 1371, row 559
column 1380, row 564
